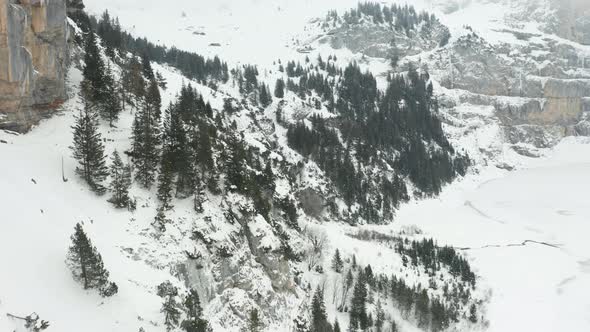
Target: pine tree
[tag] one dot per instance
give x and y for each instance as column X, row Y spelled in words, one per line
column 171, row 311
column 236, row 179
column 336, row 326
column 254, row 323
column 154, row 101
column 280, row 88
column 145, row 147
column 358, row 310
column 134, row 82
column 165, row 180
column 380, row 317
column 264, row 95
column 111, row 105
column 86, row 264
column 93, row 87
column 473, row 313
column 268, row 178
column 88, row 149
column 337, row 263
column 204, row 150
column 161, row 81
column 301, row 323
column 178, row 150
column 120, row 181
column 393, row 327
column 319, row 318
column 146, row 66
column 194, row 321
column 160, row 220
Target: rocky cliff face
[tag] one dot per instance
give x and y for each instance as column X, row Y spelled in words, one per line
column 33, row 59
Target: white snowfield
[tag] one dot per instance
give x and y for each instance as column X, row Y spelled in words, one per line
column 527, row 237
column 525, row 232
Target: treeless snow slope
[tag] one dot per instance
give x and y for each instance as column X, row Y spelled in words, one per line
column 247, row 31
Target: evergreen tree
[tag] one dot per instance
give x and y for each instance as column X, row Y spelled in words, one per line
column 337, row 263
column 134, row 82
column 379, row 317
column 171, row 311
column 254, row 324
column 88, row 149
column 393, row 327
column 86, row 264
column 145, row 146
column 194, row 313
column 236, row 179
column 280, row 88
column 203, row 149
column 318, row 313
column 473, row 313
column 177, row 151
column 358, row 310
column 154, row 101
column 93, row 87
column 162, row 83
column 160, row 220
column 120, row 181
column 111, row 105
column 301, row 323
column 336, row 326
column 165, row 180
column 146, row 66
column 393, row 54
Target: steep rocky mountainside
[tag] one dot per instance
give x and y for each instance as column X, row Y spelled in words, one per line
column 538, row 83
column 283, row 188
column 34, row 37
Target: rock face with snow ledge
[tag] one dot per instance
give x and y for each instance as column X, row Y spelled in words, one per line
column 530, row 62
column 33, row 60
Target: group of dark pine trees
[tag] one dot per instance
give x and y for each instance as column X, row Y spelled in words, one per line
column 401, row 18
column 413, row 301
column 399, row 127
column 190, row 304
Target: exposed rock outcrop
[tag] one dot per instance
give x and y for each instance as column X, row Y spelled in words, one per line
column 34, row 38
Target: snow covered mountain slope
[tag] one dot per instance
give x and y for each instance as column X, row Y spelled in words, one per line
column 522, row 230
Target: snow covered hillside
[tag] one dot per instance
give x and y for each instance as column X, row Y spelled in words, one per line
column 306, row 217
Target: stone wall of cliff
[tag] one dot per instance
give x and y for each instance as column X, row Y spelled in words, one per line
column 34, row 39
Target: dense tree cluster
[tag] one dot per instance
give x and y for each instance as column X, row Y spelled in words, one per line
column 189, row 133
column 431, row 256
column 190, row 64
column 414, row 302
column 399, row 127
column 402, row 18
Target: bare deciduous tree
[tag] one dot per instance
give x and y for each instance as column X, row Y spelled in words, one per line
column 318, row 240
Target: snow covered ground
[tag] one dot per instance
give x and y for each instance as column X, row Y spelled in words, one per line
column 541, row 285
column 535, row 287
